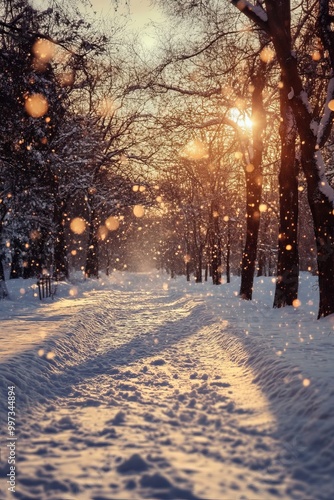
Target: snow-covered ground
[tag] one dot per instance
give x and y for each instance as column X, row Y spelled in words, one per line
column 141, row 387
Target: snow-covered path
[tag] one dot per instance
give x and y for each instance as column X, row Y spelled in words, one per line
column 132, row 391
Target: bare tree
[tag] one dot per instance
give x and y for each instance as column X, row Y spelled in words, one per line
column 313, row 125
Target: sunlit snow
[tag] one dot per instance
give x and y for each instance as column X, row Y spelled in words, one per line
column 139, row 386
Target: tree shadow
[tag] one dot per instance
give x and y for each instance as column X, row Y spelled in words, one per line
column 37, row 379
column 304, row 416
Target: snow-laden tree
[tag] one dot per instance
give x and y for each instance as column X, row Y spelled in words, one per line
column 313, row 116
column 68, row 138
column 41, row 52
column 32, row 107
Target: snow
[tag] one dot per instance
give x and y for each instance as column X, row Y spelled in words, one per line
column 326, row 117
column 324, row 187
column 291, row 94
column 257, row 9
column 139, row 386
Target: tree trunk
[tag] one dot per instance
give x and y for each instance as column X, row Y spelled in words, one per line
column 253, row 197
column 206, row 275
column 216, row 251
column 16, row 266
column 3, row 288
column 92, row 259
column 60, row 250
column 108, row 264
column 322, row 210
column 288, row 258
column 261, row 263
column 199, row 265
column 216, row 265
column 228, row 253
column 253, row 187
column 187, row 260
column 198, row 250
column 29, row 270
column 188, row 271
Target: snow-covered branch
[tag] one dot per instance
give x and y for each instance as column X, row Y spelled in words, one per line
column 326, row 122
column 254, row 12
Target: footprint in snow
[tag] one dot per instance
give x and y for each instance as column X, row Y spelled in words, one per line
column 158, row 362
column 133, row 464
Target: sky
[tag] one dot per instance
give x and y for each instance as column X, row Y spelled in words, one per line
column 141, row 11
column 138, row 15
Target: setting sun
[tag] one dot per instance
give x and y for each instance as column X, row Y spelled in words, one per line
column 241, row 118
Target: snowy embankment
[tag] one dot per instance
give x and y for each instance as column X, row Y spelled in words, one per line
column 138, row 386
column 292, row 357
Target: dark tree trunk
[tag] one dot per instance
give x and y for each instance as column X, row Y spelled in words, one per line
column 216, row 265
column 108, row 264
column 288, row 258
column 3, row 288
column 216, row 251
column 60, row 249
column 198, row 276
column 28, row 271
column 92, row 259
column 206, row 275
column 253, row 197
column 199, row 246
column 228, row 253
column 16, row 266
column 188, row 271
column 261, row 263
column 187, row 260
column 322, row 210
column 253, row 187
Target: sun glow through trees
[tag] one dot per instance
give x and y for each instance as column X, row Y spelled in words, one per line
column 241, row 118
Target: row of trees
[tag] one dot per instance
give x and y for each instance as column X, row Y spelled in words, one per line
column 306, row 109
column 66, row 142
column 222, row 138
column 286, row 58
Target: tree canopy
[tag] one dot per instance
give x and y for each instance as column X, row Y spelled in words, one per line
column 200, row 153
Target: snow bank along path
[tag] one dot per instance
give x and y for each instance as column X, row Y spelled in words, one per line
column 143, row 388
